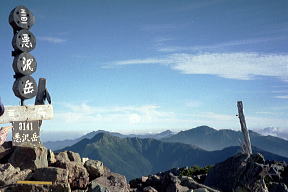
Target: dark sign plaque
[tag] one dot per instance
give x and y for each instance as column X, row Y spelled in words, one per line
column 24, row 64
column 25, row 132
column 25, row 87
column 21, row 18
column 24, row 41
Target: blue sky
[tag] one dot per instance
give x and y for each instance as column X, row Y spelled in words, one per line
column 136, row 66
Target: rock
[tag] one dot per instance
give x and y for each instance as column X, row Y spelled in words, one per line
column 78, row 175
column 239, row 173
column 84, row 159
column 153, row 180
column 95, row 187
column 144, row 179
column 191, row 184
column 277, row 187
column 113, row 182
column 62, row 157
column 149, row 189
column 36, row 188
column 5, row 151
column 29, row 157
column 10, row 174
column 257, row 158
column 94, row 168
column 200, row 190
column 74, row 156
column 53, row 174
column 51, row 157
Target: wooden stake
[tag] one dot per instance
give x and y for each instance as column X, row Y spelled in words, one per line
column 247, row 144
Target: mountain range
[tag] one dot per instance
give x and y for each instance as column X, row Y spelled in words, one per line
column 134, row 157
column 55, row 145
column 211, row 139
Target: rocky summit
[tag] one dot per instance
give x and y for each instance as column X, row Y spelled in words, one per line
column 238, row 173
column 68, row 172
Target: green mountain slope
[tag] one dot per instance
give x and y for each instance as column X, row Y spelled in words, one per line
column 212, row 139
column 135, row 157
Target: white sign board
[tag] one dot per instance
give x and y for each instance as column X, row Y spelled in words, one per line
column 26, row 113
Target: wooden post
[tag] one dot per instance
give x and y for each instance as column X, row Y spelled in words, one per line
column 247, row 144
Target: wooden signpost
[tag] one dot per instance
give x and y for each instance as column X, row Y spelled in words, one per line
column 26, row 120
column 247, row 143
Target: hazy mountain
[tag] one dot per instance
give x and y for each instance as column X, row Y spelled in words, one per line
column 273, row 131
column 134, row 157
column 212, row 139
column 55, row 145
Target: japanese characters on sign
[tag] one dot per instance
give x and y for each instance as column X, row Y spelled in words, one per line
column 25, row 87
column 24, row 41
column 21, row 18
column 25, row 132
column 24, row 64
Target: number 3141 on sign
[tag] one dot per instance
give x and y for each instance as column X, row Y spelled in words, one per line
column 25, row 132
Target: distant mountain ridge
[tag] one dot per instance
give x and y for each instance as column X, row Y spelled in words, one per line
column 55, row 145
column 134, row 157
column 212, row 139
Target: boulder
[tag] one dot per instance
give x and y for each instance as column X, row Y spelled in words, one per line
column 29, row 157
column 239, row 173
column 5, row 151
column 62, row 157
column 113, row 182
column 149, row 189
column 94, row 168
column 277, row 187
column 95, row 187
column 51, row 157
column 74, row 156
column 36, row 188
column 78, row 176
column 10, row 174
column 192, row 184
column 200, row 190
column 53, row 174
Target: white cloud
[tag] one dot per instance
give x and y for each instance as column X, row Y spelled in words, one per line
column 52, row 39
column 239, row 65
column 282, row 97
column 146, row 118
column 218, row 46
column 124, row 114
column 193, row 104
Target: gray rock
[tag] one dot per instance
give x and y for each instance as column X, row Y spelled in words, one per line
column 53, row 174
column 5, row 151
column 113, row 182
column 77, row 175
column 74, row 156
column 35, row 188
column 149, row 189
column 239, row 173
column 29, row 157
column 277, row 187
column 95, row 187
column 200, row 190
column 62, row 157
column 51, row 157
column 192, row 184
column 10, row 174
column 94, row 168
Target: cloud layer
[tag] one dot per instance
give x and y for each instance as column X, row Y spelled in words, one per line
column 55, row 40
column 239, row 65
column 147, row 118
